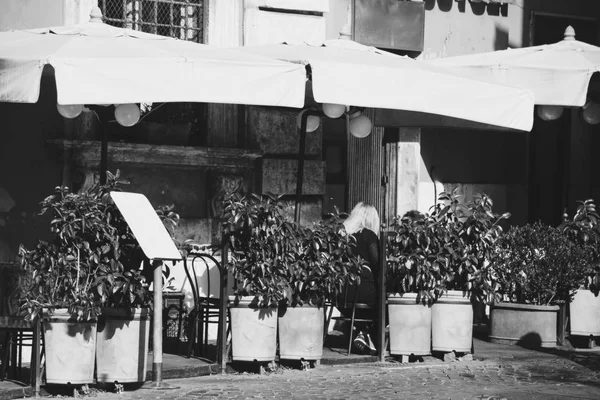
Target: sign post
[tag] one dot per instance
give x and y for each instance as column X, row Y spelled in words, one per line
column 157, row 245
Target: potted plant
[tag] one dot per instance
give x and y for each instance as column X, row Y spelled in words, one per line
column 471, row 231
column 319, row 263
column 416, row 260
column 437, row 259
column 584, row 308
column 259, row 237
column 90, row 271
column 61, row 283
column 535, row 265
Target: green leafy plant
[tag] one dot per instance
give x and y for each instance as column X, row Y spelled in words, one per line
column 417, row 257
column 261, row 239
column 323, row 263
column 537, row 264
column 93, row 260
column 276, row 260
column 583, row 229
column 477, row 228
column 448, row 249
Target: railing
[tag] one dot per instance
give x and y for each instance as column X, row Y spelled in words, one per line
column 182, row 19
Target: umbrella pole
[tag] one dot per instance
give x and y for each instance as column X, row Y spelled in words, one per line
column 301, row 156
column 157, row 328
column 381, row 298
column 104, row 153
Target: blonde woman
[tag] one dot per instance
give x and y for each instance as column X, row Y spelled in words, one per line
column 363, row 224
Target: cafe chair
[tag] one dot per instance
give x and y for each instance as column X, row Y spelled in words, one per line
column 19, row 332
column 203, row 271
column 348, row 301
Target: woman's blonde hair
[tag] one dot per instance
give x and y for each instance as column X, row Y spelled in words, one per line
column 363, row 215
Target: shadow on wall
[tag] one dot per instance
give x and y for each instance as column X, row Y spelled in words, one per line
column 492, row 9
column 501, row 39
column 443, row 5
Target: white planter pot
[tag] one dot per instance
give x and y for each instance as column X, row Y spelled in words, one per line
column 585, row 313
column 253, row 331
column 122, row 345
column 301, row 333
column 70, row 349
column 410, row 325
column 452, row 323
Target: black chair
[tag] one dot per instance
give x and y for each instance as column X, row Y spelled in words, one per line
column 349, row 300
column 206, row 268
column 18, row 333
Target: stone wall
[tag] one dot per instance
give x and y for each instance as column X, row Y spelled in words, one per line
column 275, row 134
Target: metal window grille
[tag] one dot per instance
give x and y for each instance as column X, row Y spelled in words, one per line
column 182, row 19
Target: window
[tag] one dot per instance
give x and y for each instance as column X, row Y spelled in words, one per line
column 182, row 19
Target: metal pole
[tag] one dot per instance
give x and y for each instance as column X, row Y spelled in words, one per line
column 157, row 350
column 104, row 153
column 381, row 306
column 157, row 325
column 301, row 155
column 223, row 301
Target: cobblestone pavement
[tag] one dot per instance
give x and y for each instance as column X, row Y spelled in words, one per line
column 541, row 378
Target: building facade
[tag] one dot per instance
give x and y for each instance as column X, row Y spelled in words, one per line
column 402, row 165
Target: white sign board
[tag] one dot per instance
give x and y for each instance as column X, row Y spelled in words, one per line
column 151, row 234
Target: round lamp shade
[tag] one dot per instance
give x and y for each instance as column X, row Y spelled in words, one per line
column 312, row 122
column 69, row 110
column 360, row 126
column 591, row 113
column 127, row 114
column 333, row 110
column 549, row 113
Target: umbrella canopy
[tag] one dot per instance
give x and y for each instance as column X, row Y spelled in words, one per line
column 95, row 63
column 346, row 72
column 558, row 74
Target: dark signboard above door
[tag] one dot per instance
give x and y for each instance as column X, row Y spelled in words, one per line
column 390, row 24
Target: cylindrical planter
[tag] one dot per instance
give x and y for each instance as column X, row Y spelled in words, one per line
column 523, row 324
column 70, row 349
column 301, row 333
column 452, row 323
column 585, row 313
column 410, row 325
column 122, row 345
column 253, row 330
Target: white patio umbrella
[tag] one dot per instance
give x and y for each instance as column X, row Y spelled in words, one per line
column 348, row 73
column 558, row 74
column 94, row 63
column 344, row 72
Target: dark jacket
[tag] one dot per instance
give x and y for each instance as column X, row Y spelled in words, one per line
column 367, row 247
